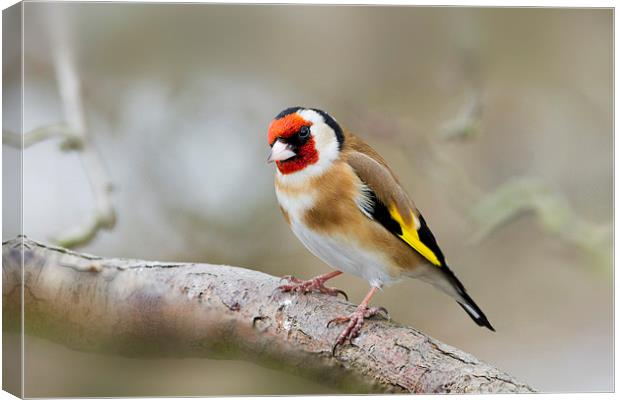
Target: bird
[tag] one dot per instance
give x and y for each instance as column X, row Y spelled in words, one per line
column 348, row 208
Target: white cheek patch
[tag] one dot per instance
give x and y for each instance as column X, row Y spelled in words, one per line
column 325, row 139
column 325, row 142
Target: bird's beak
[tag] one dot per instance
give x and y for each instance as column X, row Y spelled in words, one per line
column 280, row 151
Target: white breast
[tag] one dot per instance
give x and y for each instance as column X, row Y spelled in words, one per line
column 295, row 205
column 339, row 252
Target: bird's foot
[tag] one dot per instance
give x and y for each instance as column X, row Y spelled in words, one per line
column 355, row 322
column 312, row 285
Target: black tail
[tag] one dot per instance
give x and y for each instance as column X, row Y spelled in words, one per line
column 468, row 304
column 475, row 313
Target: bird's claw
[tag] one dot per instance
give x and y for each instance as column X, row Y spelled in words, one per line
column 309, row 286
column 355, row 323
column 339, row 291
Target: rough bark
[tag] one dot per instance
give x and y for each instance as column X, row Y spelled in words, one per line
column 140, row 308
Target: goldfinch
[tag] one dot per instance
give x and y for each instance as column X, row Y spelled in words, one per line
column 346, row 206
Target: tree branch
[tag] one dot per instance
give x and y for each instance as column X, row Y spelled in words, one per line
column 142, row 309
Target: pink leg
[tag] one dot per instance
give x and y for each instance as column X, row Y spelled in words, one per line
column 314, row 284
column 356, row 319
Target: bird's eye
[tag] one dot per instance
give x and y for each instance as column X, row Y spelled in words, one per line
column 304, row 132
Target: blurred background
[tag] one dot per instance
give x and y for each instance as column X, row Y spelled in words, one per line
column 498, row 122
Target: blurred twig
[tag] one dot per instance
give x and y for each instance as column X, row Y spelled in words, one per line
column 69, row 140
column 467, row 123
column 516, row 197
column 145, row 309
column 520, row 196
column 513, row 199
column 104, row 215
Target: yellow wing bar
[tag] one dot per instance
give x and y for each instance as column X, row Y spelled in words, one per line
column 411, row 237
